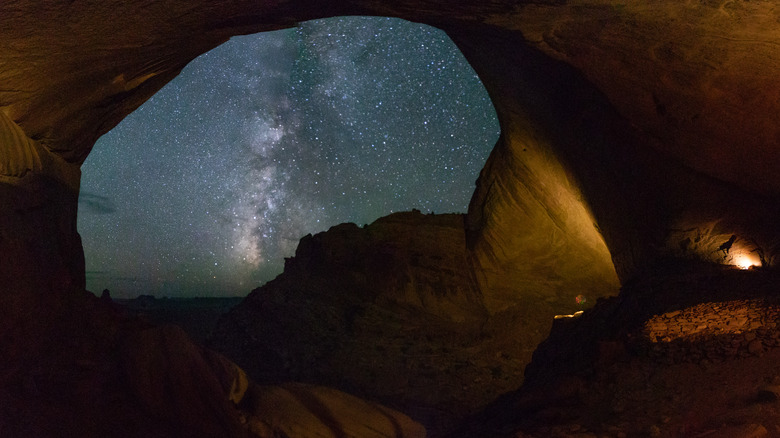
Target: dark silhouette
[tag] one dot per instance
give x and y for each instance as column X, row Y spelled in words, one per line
column 725, row 247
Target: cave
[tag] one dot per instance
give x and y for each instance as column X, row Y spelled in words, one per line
column 637, row 154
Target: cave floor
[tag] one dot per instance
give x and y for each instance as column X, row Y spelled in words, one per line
column 681, row 354
column 657, row 397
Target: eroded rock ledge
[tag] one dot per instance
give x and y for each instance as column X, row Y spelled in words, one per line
column 390, row 312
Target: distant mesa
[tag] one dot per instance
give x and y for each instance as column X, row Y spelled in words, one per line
column 144, row 301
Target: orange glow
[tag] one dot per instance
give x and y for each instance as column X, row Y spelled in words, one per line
column 573, row 315
column 745, row 260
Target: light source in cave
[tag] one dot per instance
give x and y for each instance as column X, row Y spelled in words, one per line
column 745, row 260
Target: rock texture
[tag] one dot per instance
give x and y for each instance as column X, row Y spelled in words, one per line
column 89, row 371
column 632, row 130
column 84, row 370
column 298, row 410
column 390, row 312
column 625, row 116
column 405, row 259
column 686, row 352
column 713, row 331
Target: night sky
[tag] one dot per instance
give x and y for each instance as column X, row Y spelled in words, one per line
column 209, row 185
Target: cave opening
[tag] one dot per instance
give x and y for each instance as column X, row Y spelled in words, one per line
column 206, row 188
column 653, row 122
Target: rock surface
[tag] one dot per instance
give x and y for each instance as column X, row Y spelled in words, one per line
column 622, row 116
column 711, row 331
column 84, row 370
column 404, row 259
column 643, row 364
column 390, row 312
column 92, row 372
column 298, row 410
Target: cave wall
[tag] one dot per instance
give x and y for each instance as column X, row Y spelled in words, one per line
column 693, row 86
column 652, row 121
column 40, row 250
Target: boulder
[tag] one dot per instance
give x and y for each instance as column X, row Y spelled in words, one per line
column 299, row 410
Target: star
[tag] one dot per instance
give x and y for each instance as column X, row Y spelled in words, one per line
column 208, row 186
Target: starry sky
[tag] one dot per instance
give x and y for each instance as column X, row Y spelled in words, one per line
column 208, row 186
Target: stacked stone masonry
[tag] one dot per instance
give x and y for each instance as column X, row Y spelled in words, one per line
column 712, row 332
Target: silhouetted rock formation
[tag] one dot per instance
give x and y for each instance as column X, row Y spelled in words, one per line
column 90, row 372
column 391, row 312
column 633, row 131
column 405, row 259
column 84, row 370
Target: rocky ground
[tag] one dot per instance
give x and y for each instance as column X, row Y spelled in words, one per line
column 686, row 353
column 710, row 333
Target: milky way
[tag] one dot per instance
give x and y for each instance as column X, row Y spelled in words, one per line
column 210, row 184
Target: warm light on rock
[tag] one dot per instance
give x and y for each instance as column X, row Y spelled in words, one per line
column 709, row 320
column 573, row 315
column 745, row 261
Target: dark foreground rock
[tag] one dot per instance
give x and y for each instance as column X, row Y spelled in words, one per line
column 298, row 410
column 86, row 370
column 390, row 312
column 685, row 352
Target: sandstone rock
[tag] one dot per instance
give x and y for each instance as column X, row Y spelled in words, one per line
column 168, row 373
column 303, row 411
column 390, row 311
column 654, row 431
column 560, row 165
column 408, row 259
column 658, row 108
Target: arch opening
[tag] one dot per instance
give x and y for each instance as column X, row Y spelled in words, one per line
column 286, row 133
